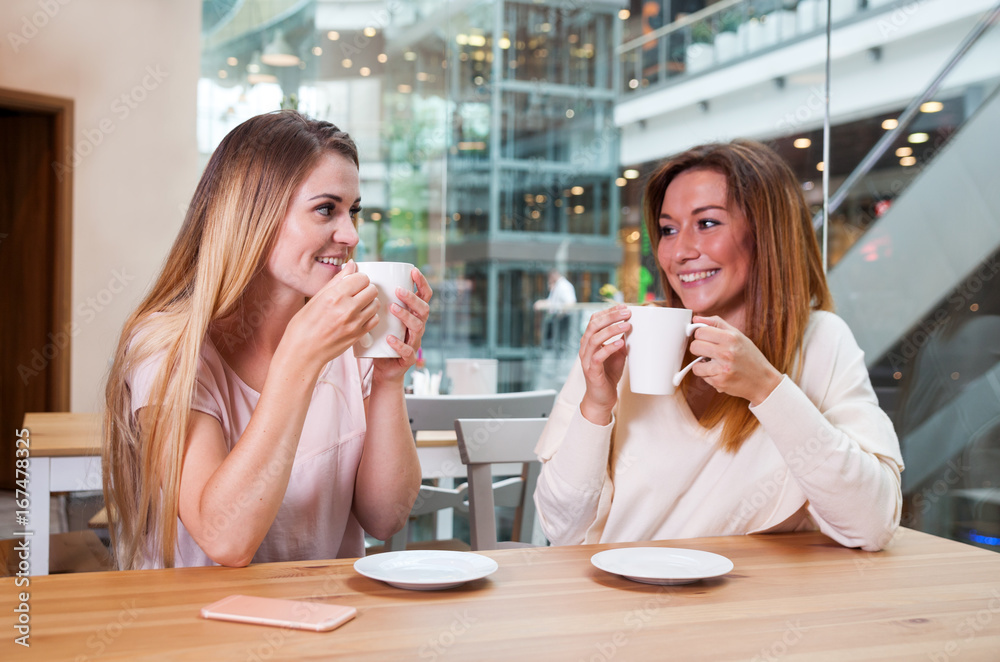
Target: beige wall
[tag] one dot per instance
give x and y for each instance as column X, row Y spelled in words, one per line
column 131, row 67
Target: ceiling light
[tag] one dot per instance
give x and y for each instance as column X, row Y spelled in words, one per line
column 254, row 66
column 802, row 143
column 631, row 173
column 232, row 62
column 576, row 190
column 931, row 107
column 279, row 54
column 365, row 71
column 890, row 124
column 255, row 78
column 317, row 51
column 346, row 63
column 821, row 166
column 908, row 161
column 333, row 35
column 504, row 43
column 404, row 89
column 904, row 151
column 621, row 181
column 623, row 14
column 409, row 56
column 369, row 31
column 462, row 39
column 382, row 58
column 917, row 138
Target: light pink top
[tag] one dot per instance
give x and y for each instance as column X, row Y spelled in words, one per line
column 315, row 519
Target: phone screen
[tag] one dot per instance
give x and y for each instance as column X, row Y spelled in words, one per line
column 299, row 614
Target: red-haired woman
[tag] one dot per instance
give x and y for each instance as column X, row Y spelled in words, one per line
column 779, row 430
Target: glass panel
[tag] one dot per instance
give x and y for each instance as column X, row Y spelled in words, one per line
column 481, row 122
column 532, row 201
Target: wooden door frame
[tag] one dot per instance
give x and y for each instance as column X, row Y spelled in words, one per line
column 61, row 305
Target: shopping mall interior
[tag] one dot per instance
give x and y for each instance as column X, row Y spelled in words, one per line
column 500, row 140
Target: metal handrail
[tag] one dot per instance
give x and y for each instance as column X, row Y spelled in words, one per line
column 889, row 137
column 677, row 25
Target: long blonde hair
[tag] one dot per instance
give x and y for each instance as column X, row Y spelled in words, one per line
column 227, row 233
column 786, row 280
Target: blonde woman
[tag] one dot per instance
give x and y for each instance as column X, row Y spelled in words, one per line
column 779, row 430
column 239, row 427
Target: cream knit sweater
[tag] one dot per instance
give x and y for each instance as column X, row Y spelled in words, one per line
column 825, row 456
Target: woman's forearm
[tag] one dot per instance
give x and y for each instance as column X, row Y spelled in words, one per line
column 240, row 498
column 388, row 478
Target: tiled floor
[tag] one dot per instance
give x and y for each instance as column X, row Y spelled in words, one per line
column 79, row 551
column 59, row 518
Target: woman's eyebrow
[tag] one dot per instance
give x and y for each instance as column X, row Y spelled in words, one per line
column 331, row 196
column 698, row 210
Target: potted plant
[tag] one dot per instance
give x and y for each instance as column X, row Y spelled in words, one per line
column 699, row 54
column 727, row 41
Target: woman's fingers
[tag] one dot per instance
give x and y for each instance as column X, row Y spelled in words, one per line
column 407, row 352
column 369, row 314
column 605, row 325
column 424, row 290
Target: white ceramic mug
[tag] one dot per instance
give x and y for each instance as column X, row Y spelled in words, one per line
column 386, row 277
column 656, row 346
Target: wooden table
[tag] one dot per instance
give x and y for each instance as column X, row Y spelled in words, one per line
column 65, row 457
column 790, row 596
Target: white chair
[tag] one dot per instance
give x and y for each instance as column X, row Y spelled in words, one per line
column 439, row 412
column 483, row 442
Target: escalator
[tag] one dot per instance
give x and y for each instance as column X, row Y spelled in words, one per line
column 920, row 289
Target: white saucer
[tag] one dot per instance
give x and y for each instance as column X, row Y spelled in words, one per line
column 662, row 565
column 425, row 570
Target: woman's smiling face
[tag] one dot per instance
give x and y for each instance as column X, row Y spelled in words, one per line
column 705, row 245
column 319, row 231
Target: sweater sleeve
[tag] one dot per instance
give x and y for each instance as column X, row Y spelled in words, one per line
column 574, row 454
column 838, row 443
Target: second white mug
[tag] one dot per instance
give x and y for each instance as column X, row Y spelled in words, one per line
column 656, row 346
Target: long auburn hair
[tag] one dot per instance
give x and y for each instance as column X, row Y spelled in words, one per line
column 786, row 280
column 226, row 236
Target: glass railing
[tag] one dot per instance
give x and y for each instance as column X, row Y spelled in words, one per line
column 727, row 32
column 915, row 136
column 939, row 375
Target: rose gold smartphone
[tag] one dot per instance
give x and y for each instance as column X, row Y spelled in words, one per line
column 298, row 614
